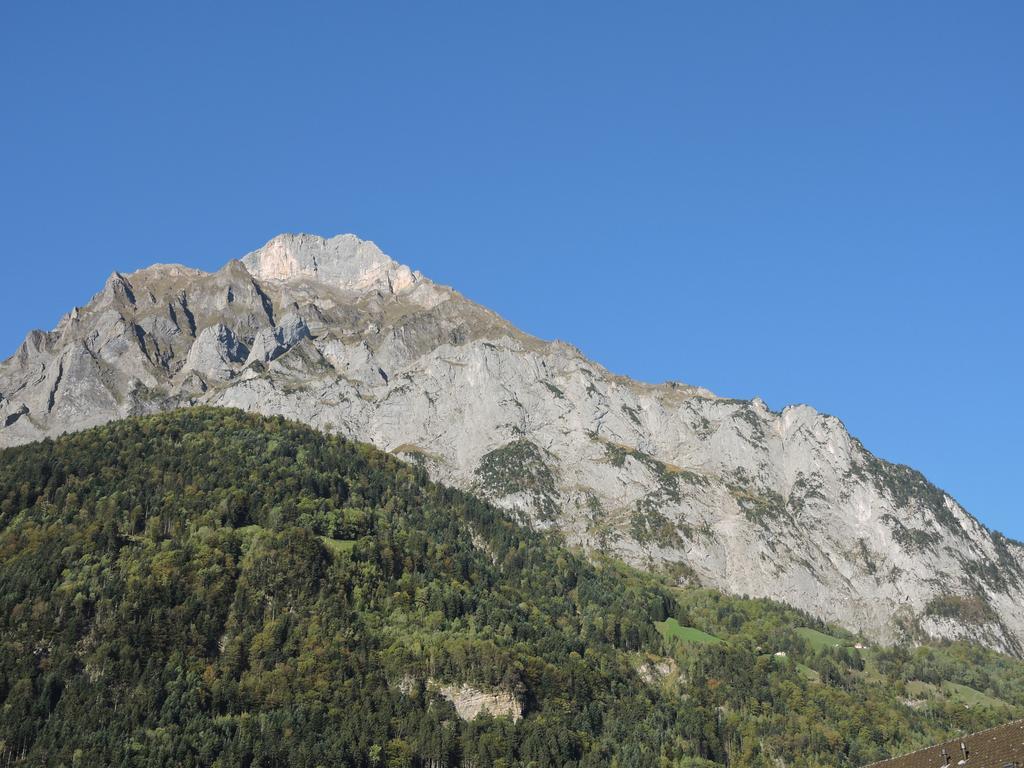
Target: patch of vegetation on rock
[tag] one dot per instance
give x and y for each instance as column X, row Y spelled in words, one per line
column 667, row 475
column 520, row 467
column 904, row 486
column 805, row 488
column 746, row 414
column 554, row 390
column 649, row 526
column 911, row 539
column 762, row 507
column 632, row 413
column 970, row 609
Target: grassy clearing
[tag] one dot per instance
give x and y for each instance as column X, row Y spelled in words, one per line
column 673, row 629
column 337, row 546
column 918, row 689
column 871, row 673
column 803, row 669
column 961, row 694
column 819, row 640
column 334, row 547
column 808, row 673
column 971, row 697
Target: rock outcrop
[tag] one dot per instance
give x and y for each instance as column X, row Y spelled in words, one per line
column 470, row 702
column 334, row 333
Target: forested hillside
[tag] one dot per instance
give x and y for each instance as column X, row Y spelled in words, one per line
column 207, row 587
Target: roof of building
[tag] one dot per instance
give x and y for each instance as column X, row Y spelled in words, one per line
column 999, row 747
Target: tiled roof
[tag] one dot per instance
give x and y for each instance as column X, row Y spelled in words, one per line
column 999, row 747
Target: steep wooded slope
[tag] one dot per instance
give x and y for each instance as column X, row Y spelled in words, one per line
column 207, row 587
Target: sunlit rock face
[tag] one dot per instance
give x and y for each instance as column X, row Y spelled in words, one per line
column 669, row 477
column 344, row 262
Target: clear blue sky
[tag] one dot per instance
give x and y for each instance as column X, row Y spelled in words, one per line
column 811, row 202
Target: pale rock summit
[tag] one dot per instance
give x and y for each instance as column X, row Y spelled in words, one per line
column 668, row 477
column 345, row 262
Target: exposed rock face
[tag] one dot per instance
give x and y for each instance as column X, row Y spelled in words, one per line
column 470, row 702
column 654, row 671
column 346, row 262
column 216, row 352
column 334, row 333
column 271, row 343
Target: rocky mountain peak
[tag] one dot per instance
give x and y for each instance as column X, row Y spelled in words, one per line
column 344, row 261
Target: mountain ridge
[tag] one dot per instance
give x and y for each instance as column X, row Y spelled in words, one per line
column 783, row 504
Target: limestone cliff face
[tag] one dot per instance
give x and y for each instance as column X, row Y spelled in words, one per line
column 471, row 702
column 334, row 333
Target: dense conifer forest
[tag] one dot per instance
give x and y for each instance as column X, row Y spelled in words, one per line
column 212, row 588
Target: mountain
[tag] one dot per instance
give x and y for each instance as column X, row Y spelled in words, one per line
column 208, row 587
column 668, row 477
